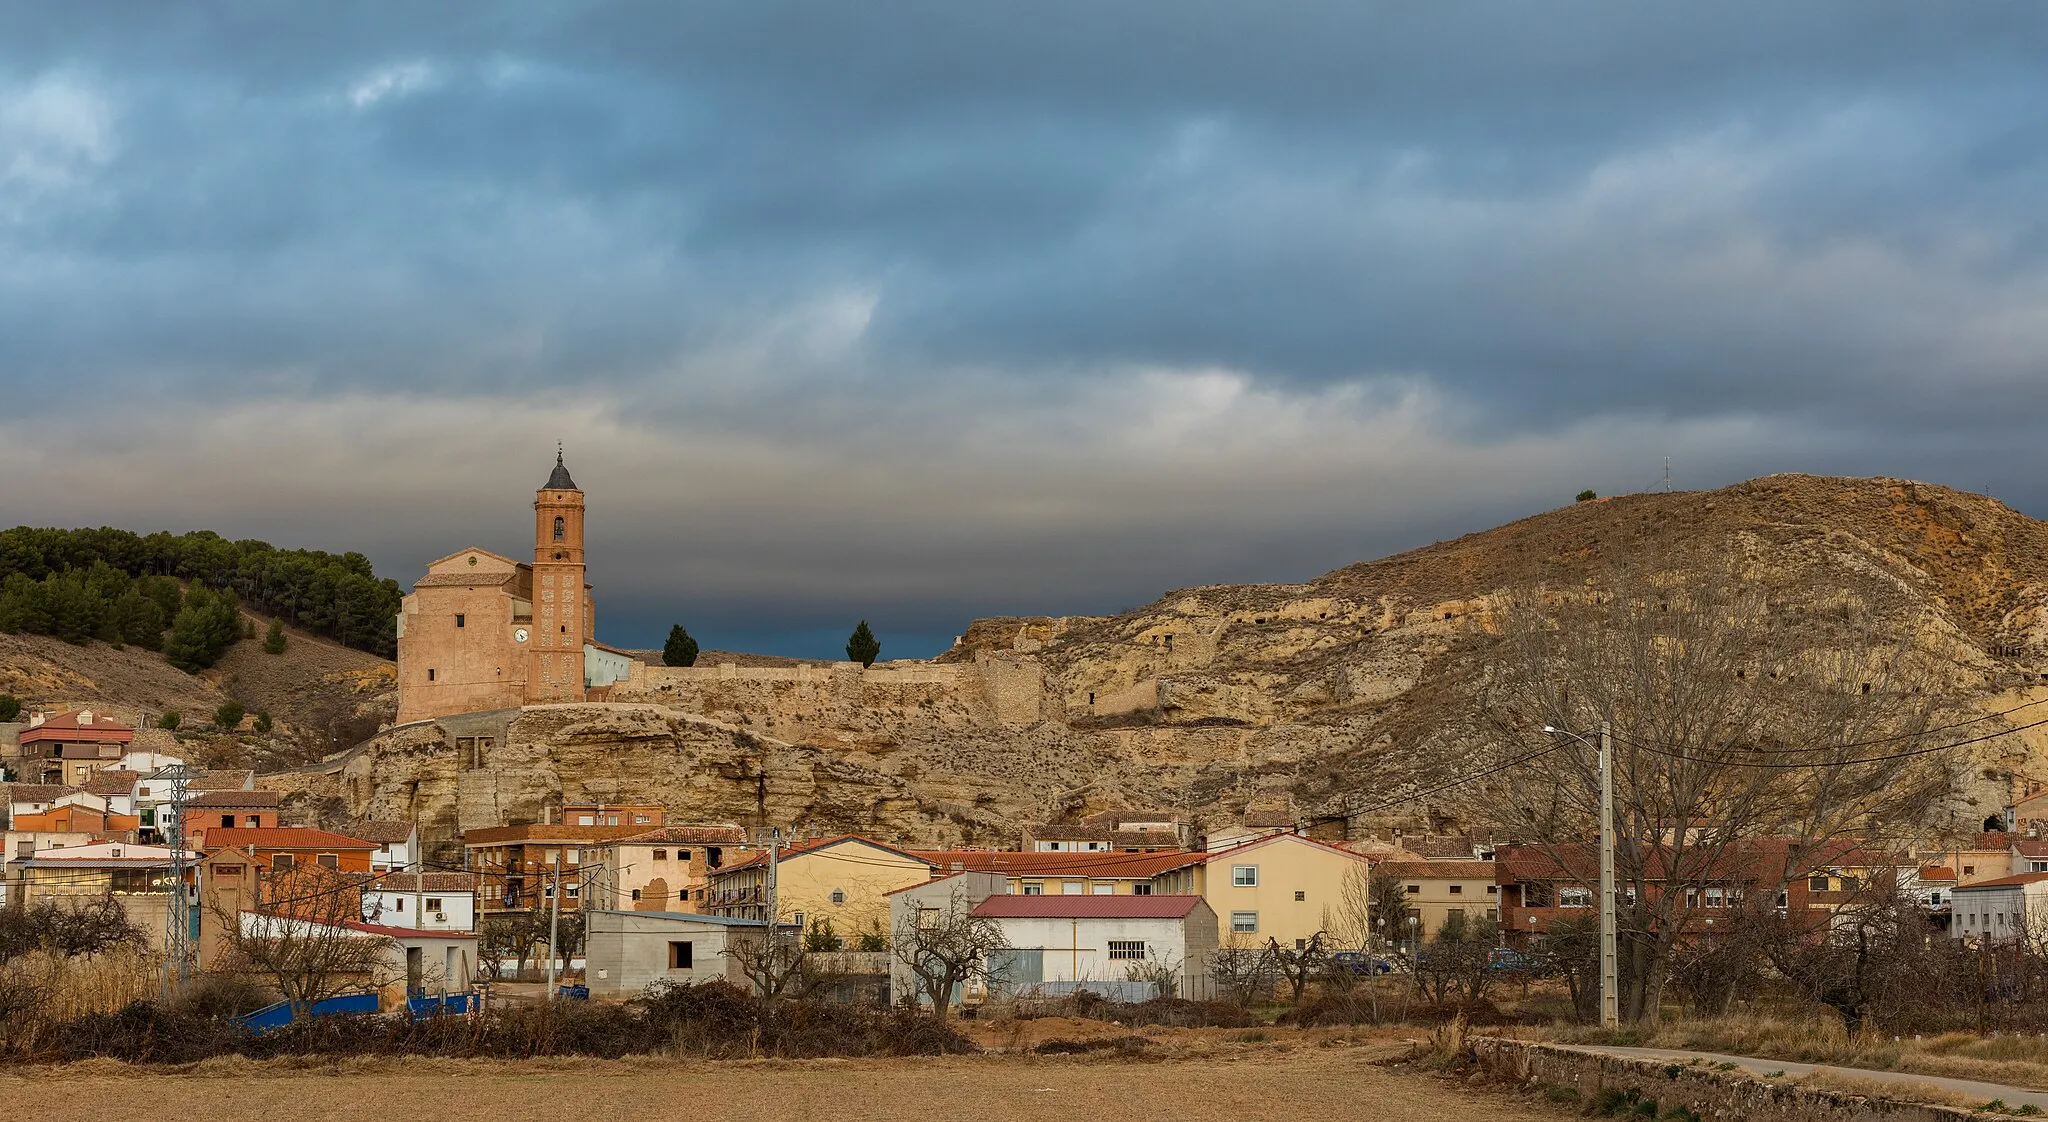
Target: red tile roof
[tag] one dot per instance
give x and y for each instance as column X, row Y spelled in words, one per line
column 1279, row 839
column 281, row 837
column 404, row 932
column 1010, row 862
column 2004, row 882
column 426, row 882
column 251, row 800
column 383, row 833
column 1425, row 870
column 700, row 834
column 1087, row 907
column 812, row 846
column 65, row 726
column 112, row 783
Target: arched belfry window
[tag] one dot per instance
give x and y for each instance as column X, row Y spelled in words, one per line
column 558, row 529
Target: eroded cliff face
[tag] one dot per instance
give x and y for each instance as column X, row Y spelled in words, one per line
column 1328, row 698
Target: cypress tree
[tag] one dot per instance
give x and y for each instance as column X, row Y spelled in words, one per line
column 273, row 641
column 680, row 650
column 862, row 646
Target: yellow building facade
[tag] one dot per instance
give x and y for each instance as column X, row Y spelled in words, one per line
column 844, row 881
column 1286, row 887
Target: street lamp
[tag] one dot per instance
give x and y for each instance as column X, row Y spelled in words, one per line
column 1610, row 1016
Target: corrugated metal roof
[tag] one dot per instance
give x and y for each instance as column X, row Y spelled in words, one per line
column 281, row 837
column 1087, row 907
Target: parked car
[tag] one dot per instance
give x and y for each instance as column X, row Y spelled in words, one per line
column 1358, row 962
column 1506, row 960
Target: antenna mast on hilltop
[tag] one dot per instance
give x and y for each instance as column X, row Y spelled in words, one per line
column 1667, row 473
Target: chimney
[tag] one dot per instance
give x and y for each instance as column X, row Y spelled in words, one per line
column 36, row 718
column 84, row 717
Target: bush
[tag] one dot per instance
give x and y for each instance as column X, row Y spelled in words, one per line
column 262, row 724
column 229, row 715
column 273, row 640
column 680, row 650
column 170, row 719
column 1586, row 496
column 10, row 707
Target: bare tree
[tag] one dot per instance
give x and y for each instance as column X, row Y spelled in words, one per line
column 1243, row 971
column 778, row 966
column 512, row 934
column 1298, row 965
column 1735, row 719
column 307, row 943
column 1348, row 924
column 947, row 947
column 87, row 926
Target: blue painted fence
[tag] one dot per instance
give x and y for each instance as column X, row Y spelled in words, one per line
column 434, row 1005
column 280, row 1014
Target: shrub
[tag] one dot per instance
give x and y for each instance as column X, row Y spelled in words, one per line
column 10, row 707
column 229, row 715
column 263, row 724
column 170, row 719
column 273, row 640
column 1586, row 496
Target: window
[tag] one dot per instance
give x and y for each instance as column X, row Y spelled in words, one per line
column 561, row 529
column 1493, row 890
column 1244, row 923
column 1244, row 876
column 1126, row 949
column 1816, row 884
column 1300, row 895
column 1141, row 889
column 679, row 956
column 252, row 821
column 227, row 820
column 430, row 673
column 142, row 792
column 1969, row 870
column 459, row 620
column 636, row 894
column 1413, row 890
column 434, row 905
column 570, row 890
column 1717, row 898
column 839, row 896
column 330, row 861
column 398, row 905
column 1034, row 888
column 1457, row 890
column 1103, row 888
column 682, row 855
column 227, row 870
column 1073, row 888
column 1851, row 884
column 282, row 863
column 661, row 855
column 1574, row 897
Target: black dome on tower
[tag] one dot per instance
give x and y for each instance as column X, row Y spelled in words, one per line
column 560, row 481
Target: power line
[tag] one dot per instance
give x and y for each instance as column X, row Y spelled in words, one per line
column 1779, row 765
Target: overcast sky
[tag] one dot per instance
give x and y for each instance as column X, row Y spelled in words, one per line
column 924, row 311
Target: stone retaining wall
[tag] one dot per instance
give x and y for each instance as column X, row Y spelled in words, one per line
column 1707, row 1092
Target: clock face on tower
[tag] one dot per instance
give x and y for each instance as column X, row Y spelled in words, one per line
column 519, row 635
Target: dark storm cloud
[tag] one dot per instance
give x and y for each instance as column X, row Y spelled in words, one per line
column 1030, row 307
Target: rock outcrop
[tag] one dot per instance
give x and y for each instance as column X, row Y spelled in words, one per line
column 1327, row 697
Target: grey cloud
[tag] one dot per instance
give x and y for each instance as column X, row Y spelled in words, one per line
column 861, row 232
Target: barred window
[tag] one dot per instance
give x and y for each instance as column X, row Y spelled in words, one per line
column 1126, row 948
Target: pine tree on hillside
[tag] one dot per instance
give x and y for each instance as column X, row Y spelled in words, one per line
column 229, row 715
column 680, row 650
column 273, row 641
column 10, row 707
column 206, row 626
column 862, row 646
column 139, row 620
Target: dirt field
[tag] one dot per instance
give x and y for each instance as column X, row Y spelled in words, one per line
column 1306, row 1085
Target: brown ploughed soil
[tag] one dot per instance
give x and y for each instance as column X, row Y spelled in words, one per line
column 1298, row 1085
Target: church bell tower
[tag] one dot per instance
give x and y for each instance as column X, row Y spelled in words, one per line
column 562, row 617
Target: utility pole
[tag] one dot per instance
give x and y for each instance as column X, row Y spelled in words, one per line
column 554, row 922
column 178, row 917
column 1610, row 1016
column 774, row 841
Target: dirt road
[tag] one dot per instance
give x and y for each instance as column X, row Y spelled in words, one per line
column 1308, row 1085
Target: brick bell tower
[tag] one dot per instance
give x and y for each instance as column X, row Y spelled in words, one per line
column 562, row 617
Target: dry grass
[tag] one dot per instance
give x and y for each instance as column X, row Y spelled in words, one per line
column 73, row 987
column 1826, row 1079
column 2015, row 1059
column 1300, row 1084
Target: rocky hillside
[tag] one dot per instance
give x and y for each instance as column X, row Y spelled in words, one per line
column 318, row 692
column 1327, row 698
